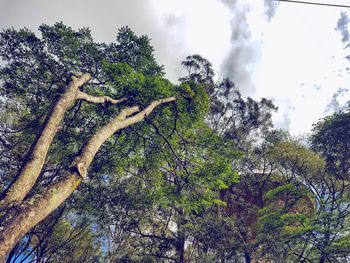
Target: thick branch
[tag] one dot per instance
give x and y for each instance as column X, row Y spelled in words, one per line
column 32, row 211
column 36, row 156
column 83, row 96
column 119, row 122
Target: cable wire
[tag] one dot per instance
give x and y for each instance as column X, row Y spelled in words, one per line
column 313, row 3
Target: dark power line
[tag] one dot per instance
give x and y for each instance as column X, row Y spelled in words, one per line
column 313, row 3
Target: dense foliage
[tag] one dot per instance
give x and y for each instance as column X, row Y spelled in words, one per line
column 204, row 179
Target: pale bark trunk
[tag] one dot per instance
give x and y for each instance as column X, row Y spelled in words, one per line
column 31, row 212
column 36, row 156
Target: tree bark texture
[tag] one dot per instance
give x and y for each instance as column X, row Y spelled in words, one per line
column 36, row 156
column 24, row 214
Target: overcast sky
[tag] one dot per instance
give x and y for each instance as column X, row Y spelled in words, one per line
column 292, row 53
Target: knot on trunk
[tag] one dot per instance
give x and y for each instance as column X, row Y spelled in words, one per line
column 81, row 168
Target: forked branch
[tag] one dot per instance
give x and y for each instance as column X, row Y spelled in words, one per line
column 31, row 211
column 36, row 156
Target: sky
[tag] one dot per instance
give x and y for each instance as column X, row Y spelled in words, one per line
column 294, row 54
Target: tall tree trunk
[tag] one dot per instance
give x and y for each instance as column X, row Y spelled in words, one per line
column 223, row 257
column 36, row 156
column 181, row 238
column 23, row 216
column 181, row 249
column 326, row 241
column 322, row 258
column 247, row 257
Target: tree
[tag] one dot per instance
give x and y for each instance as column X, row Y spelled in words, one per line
column 162, row 205
column 241, row 120
column 179, row 196
column 316, row 234
column 330, row 139
column 241, row 123
column 55, row 84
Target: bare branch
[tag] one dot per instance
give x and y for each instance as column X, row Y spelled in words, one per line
column 89, row 98
column 169, row 145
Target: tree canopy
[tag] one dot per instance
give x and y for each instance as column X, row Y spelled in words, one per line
column 103, row 159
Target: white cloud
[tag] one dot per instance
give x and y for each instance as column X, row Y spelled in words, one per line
column 301, row 46
column 284, row 59
column 198, row 27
